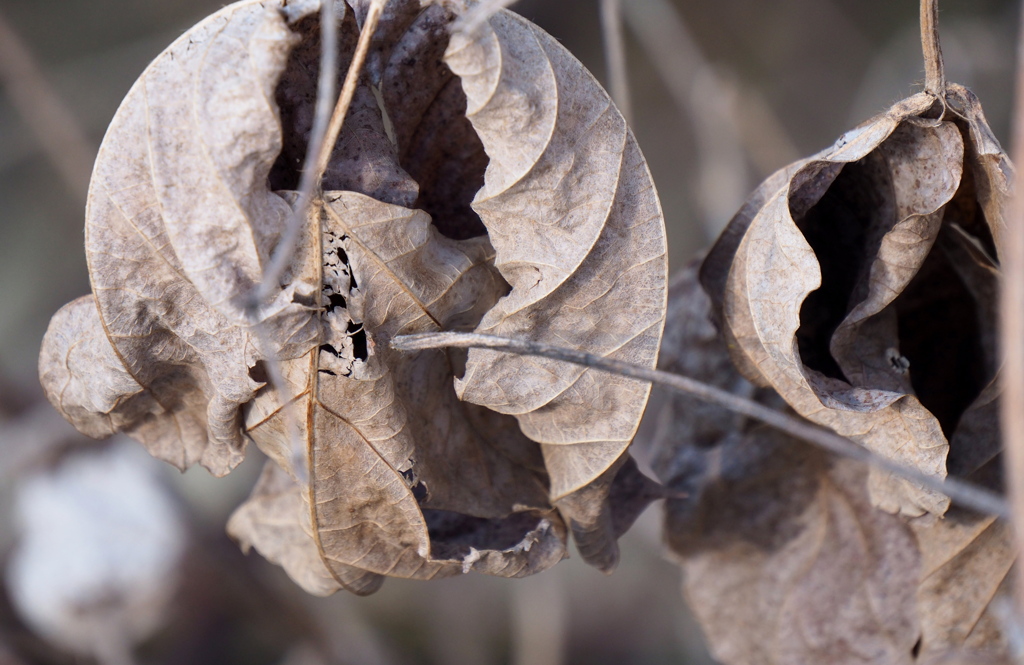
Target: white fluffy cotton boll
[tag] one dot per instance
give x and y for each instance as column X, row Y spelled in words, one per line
column 100, row 544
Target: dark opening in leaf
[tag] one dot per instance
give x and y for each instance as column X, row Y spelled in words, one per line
column 939, row 334
column 837, row 228
column 407, row 140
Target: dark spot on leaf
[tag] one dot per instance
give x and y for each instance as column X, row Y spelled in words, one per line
column 258, row 372
column 305, row 300
column 328, row 372
column 327, row 348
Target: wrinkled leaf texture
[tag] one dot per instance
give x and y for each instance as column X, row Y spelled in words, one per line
column 481, row 182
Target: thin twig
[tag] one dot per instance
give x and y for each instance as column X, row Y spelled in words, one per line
column 1012, row 327
column 934, row 72
column 615, row 56
column 54, row 125
column 960, row 491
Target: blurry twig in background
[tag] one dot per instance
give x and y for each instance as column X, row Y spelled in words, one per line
column 615, row 56
column 478, row 14
column 712, row 104
column 705, row 100
column 318, row 150
column 538, row 620
column 1012, row 328
column 39, row 105
column 768, row 144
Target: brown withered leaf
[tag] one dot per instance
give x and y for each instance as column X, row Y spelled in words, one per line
column 480, row 182
column 786, row 561
column 849, row 278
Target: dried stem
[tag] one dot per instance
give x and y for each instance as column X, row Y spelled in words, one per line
column 934, row 72
column 615, row 56
column 54, row 125
column 1012, row 327
column 962, row 492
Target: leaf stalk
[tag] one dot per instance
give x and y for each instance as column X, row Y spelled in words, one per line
column 934, row 70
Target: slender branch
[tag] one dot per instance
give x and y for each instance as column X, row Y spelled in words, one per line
column 54, row 125
column 310, row 179
column 934, row 71
column 615, row 56
column 1012, row 327
column 960, row 491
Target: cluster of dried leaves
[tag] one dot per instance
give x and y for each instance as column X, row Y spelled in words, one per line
column 482, row 181
column 856, row 287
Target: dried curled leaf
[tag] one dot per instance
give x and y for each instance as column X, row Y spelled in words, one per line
column 848, row 279
column 785, row 559
column 481, row 182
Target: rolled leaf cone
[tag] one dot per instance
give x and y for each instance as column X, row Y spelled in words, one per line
column 860, row 284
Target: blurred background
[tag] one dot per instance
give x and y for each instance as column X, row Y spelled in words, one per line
column 722, row 93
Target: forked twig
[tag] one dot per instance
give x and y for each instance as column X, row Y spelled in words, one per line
column 1011, row 308
column 286, row 247
column 327, row 126
column 615, row 56
column 348, row 89
column 934, row 71
column 965, row 493
column 324, row 135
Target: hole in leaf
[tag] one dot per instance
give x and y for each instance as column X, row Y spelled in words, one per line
column 334, row 301
column 359, row 345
